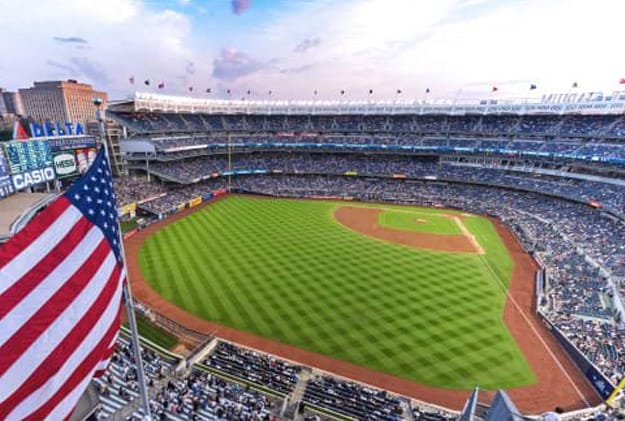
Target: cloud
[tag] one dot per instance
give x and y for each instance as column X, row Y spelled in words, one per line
column 327, row 45
column 307, row 44
column 299, row 69
column 233, row 64
column 240, row 6
column 64, row 67
column 81, row 68
column 125, row 38
column 71, row 40
column 91, row 70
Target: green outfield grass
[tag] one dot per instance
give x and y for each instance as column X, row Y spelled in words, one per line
column 153, row 333
column 286, row 270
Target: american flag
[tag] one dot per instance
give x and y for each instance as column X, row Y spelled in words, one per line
column 61, row 281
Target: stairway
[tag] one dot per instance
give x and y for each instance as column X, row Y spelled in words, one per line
column 291, row 405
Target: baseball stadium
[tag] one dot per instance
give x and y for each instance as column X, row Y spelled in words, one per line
column 363, row 260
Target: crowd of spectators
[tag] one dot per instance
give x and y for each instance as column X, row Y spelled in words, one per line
column 177, row 195
column 592, row 149
column 254, row 367
column 185, row 171
column 353, row 399
column 118, row 385
column 135, row 188
column 571, row 126
column 203, row 396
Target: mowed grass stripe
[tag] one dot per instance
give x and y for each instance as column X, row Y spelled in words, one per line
column 286, row 270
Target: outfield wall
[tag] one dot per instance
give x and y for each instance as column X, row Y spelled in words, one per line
column 599, row 381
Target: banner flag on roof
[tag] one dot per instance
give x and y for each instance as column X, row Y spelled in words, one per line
column 61, row 292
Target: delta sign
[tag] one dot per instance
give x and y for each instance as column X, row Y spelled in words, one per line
column 47, row 129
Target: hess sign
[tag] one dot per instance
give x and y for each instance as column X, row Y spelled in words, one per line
column 65, row 164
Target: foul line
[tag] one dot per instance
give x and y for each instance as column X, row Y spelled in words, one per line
column 536, row 332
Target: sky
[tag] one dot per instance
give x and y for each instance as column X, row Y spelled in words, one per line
column 290, row 49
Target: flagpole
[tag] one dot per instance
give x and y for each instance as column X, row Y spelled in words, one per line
column 127, row 295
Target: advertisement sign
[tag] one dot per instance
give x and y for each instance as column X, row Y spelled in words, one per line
column 599, row 381
column 71, row 143
column 30, row 178
column 129, row 209
column 195, row 201
column 6, row 187
column 85, row 157
column 50, row 129
column 65, row 164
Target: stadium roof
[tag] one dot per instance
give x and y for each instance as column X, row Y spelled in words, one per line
column 17, row 210
column 563, row 103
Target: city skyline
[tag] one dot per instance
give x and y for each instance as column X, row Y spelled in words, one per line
column 355, row 49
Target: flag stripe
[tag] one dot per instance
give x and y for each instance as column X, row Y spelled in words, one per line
column 15, row 260
column 106, row 358
column 58, row 304
column 64, row 409
column 84, row 369
column 40, row 269
column 63, row 362
column 35, row 299
column 33, row 368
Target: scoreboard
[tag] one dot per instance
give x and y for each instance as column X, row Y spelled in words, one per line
column 27, row 155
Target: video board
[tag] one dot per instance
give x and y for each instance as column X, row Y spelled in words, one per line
column 27, row 155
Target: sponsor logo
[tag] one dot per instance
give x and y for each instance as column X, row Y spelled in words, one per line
column 65, row 164
column 50, row 129
column 30, row 178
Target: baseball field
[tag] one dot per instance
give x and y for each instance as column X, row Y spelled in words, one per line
column 413, row 292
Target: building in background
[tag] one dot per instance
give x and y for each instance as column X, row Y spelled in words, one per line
column 61, row 101
column 12, row 102
column 3, row 106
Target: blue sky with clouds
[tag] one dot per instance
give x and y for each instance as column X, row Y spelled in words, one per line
column 294, row 47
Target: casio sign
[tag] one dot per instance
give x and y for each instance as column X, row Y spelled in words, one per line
column 30, row 178
column 65, row 164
